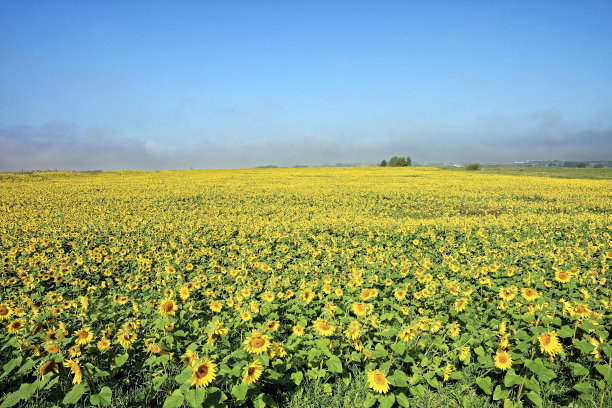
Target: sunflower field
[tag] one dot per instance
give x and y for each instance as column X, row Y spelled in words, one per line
column 221, row 287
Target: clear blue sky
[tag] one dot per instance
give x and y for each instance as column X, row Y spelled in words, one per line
column 134, row 84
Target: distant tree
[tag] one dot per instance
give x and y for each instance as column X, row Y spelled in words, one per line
column 473, row 166
column 396, row 161
column 581, row 165
column 383, row 163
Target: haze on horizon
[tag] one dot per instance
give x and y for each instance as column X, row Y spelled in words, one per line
column 173, row 85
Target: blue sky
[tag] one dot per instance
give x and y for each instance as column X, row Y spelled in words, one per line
column 153, row 85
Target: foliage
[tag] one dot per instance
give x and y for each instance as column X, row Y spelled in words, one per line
column 473, row 166
column 396, row 161
column 175, row 283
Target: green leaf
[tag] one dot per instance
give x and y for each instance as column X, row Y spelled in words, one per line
column 584, row 346
column 11, row 400
column 533, row 384
column 433, row 382
column 369, row 401
column 379, row 351
column 512, row 379
column 479, row 351
column 240, row 391
column 175, row 399
column 386, row 401
column 398, row 379
column 500, row 393
column 334, row 364
column 327, row 388
column 399, row 348
column 538, row 368
column 297, row 377
column 158, row 381
column 565, row 331
column 578, row 370
column 184, row 376
column 103, row 398
column 75, row 394
column 418, row 391
column 121, row 359
column 605, row 371
column 195, row 398
column 8, row 367
column 215, row 398
column 583, row 387
column 402, row 400
column 484, row 384
column 535, row 398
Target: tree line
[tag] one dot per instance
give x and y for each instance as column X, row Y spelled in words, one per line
column 397, row 161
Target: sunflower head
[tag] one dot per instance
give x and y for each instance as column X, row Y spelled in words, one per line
column 257, row 343
column 252, row 372
column 203, row 373
column 378, row 381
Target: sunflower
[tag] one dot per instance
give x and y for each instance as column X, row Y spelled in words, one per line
column 184, row 293
column 257, row 343
column 216, row 306
column 245, row 315
column 408, row 333
column 503, row 361
column 155, row 349
column 5, row 311
column 353, row 330
column 529, row 294
column 581, row 310
column 252, row 372
column 272, row 325
column 298, row 330
column 52, row 348
column 203, row 373
column 563, row 276
column 464, row 353
column 189, row 358
column 125, row 339
column 167, row 307
column 378, row 382
column 549, row 343
column 47, row 368
column 84, row 336
column 455, row 330
column 323, row 328
column 447, row 371
column 15, row 326
column 460, row 305
column 76, row 370
column 104, row 344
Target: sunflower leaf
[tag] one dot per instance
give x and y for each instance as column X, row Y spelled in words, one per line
column 75, row 394
column 334, row 364
column 175, row 399
column 484, row 384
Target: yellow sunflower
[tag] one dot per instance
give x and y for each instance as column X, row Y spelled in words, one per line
column 460, row 305
column 15, row 326
column 5, row 311
column 52, row 348
column 76, row 370
column 529, row 294
column 549, row 343
column 104, row 344
column 84, row 336
column 378, row 381
column 203, row 374
column 257, row 343
column 503, row 361
column 323, row 328
column 167, row 308
column 563, row 276
column 189, row 358
column 47, row 368
column 298, row 330
column 252, row 372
